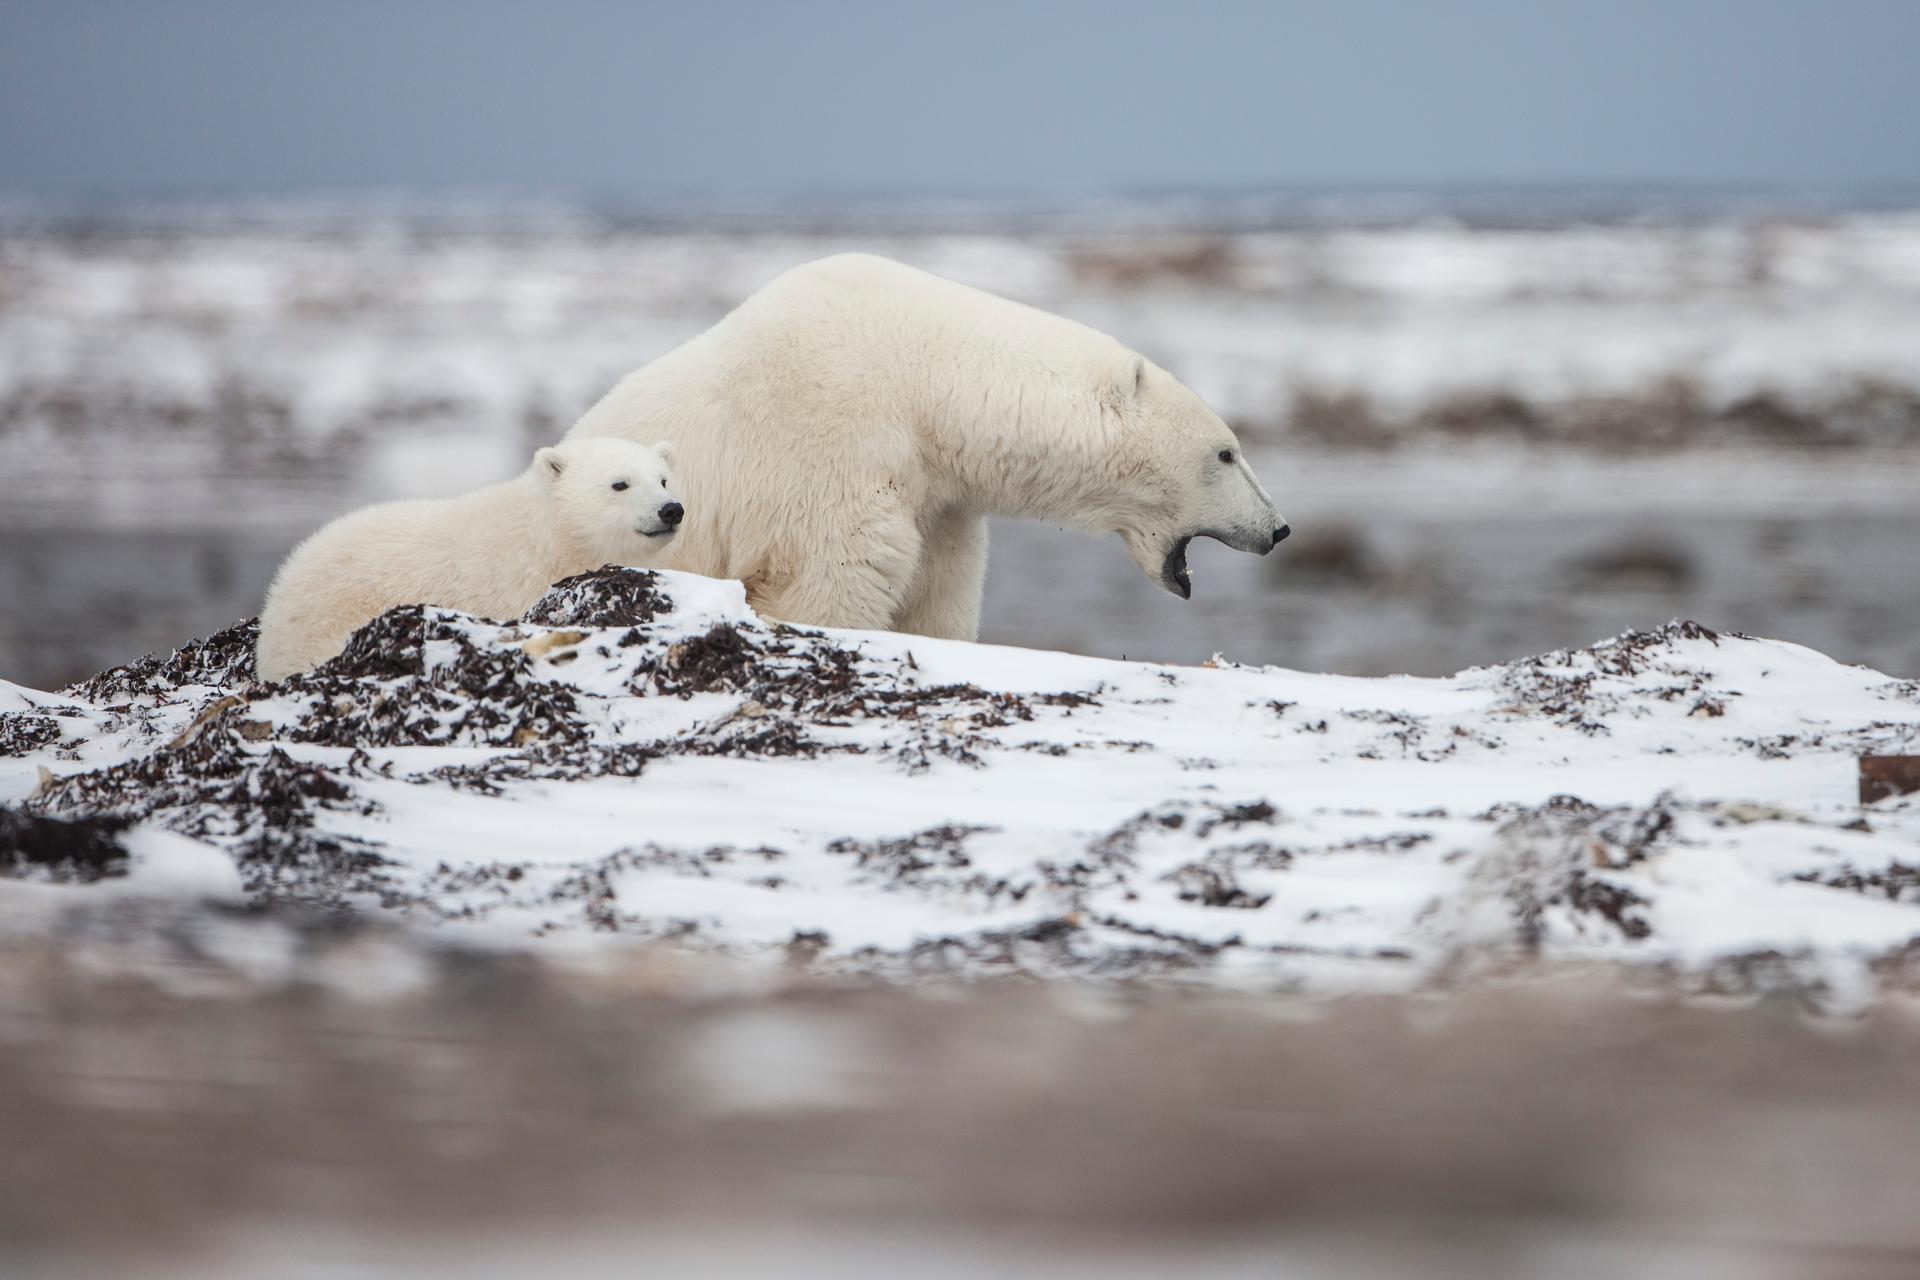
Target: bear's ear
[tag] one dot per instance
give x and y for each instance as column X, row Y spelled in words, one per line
column 665, row 451
column 549, row 462
column 1126, row 383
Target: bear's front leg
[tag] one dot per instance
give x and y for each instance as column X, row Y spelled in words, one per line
column 855, row 573
column 944, row 601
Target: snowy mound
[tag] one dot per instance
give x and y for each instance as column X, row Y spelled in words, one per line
column 642, row 758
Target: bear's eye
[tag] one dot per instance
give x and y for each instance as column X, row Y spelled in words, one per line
column 1226, row 455
column 663, row 482
column 619, row 485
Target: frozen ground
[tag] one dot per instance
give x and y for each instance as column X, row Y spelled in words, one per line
column 513, row 989
column 640, row 934
column 644, row 760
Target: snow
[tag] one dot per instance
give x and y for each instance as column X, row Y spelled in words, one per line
column 240, row 350
column 1674, row 808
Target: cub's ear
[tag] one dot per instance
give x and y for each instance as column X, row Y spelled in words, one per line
column 1126, row 380
column 665, row 451
column 550, row 462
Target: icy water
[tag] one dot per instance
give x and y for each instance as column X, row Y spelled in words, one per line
column 1430, row 597
column 1413, row 564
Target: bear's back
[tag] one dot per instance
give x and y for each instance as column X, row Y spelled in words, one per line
column 481, row 552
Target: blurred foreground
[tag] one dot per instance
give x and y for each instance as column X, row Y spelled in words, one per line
column 498, row 1116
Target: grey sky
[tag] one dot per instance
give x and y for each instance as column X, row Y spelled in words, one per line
column 155, row 96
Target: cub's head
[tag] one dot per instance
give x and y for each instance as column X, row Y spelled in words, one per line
column 612, row 493
column 1186, row 477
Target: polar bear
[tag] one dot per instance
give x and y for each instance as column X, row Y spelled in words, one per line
column 851, row 425
column 579, row 505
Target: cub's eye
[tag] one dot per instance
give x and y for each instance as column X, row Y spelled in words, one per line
column 663, row 482
column 1226, row 455
column 618, row 485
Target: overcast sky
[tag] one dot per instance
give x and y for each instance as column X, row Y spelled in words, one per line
column 165, row 96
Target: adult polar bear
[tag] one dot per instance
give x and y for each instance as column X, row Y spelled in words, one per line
column 844, row 433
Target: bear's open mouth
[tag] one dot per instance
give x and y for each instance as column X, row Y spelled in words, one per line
column 1173, row 573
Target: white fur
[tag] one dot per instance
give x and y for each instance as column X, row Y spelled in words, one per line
column 491, row 552
column 848, row 428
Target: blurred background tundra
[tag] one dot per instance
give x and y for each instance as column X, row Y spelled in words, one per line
column 1500, row 421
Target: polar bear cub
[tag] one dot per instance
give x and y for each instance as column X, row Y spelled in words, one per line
column 492, row 552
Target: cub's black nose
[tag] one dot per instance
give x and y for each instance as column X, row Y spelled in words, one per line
column 1280, row 534
column 672, row 512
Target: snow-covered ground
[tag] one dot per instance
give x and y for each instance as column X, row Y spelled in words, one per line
column 645, row 761
column 642, row 934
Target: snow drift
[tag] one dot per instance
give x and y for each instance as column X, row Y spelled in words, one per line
column 641, row 758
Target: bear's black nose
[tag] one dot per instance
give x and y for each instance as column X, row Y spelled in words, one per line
column 672, row 512
column 1280, row 534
